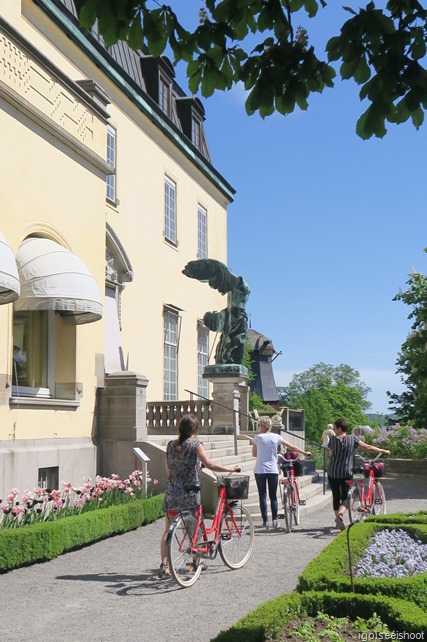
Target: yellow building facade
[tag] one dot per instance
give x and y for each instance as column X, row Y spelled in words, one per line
column 107, row 191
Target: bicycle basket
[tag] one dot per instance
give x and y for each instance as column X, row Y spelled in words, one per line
column 296, row 465
column 235, row 487
column 378, row 468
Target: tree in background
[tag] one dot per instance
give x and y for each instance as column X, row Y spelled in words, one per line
column 262, row 44
column 327, row 392
column 411, row 405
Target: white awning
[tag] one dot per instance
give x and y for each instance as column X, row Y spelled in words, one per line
column 53, row 278
column 9, row 279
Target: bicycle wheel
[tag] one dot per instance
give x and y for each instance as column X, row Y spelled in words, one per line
column 184, row 564
column 356, row 511
column 237, row 536
column 295, row 505
column 284, row 492
column 379, row 506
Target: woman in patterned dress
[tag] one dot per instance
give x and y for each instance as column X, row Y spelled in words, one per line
column 183, row 458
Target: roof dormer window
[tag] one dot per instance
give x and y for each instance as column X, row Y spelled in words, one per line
column 165, row 94
column 196, row 137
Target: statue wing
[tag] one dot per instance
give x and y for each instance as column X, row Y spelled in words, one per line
column 213, row 272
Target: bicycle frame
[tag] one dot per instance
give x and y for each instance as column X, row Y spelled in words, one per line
column 291, row 482
column 366, row 492
column 290, row 494
column 209, row 548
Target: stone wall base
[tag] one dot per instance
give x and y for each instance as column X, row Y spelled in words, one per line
column 22, row 460
column 405, row 467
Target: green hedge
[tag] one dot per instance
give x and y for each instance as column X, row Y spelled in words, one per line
column 265, row 622
column 420, row 517
column 329, row 571
column 41, row 542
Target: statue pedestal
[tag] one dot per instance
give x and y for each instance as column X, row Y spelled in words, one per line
column 226, row 396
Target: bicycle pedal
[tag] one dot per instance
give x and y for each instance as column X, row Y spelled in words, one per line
column 302, row 502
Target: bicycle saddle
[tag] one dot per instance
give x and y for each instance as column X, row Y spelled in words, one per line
column 192, row 488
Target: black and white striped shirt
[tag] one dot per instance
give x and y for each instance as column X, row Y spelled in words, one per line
column 342, row 453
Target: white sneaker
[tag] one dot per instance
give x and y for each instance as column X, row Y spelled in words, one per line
column 276, row 523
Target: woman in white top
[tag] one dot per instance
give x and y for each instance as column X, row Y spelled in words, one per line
column 265, row 448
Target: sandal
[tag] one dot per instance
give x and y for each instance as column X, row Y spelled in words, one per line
column 164, row 572
column 192, row 567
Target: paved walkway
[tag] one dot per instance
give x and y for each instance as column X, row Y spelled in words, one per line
column 109, row 591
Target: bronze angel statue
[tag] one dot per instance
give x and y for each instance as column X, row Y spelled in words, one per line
column 232, row 321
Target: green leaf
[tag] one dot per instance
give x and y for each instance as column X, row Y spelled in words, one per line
column 136, row 34
column 401, row 113
column 311, row 7
column 296, row 5
column 348, row 68
column 350, row 10
column 418, row 49
column 334, row 48
column 362, row 73
column 87, row 14
column 417, row 117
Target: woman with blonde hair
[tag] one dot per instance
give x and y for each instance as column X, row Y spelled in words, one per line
column 265, row 448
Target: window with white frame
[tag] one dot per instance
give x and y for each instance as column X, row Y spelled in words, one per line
column 202, row 233
column 111, row 160
column 44, row 355
column 165, row 95
column 202, row 360
column 170, row 365
column 170, row 210
column 33, row 353
column 196, row 136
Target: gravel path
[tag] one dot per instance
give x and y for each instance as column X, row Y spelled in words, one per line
column 110, row 591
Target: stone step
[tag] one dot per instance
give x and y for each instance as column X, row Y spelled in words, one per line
column 314, row 501
column 221, row 448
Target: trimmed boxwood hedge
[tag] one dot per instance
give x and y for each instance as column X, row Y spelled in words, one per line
column 420, row 517
column 329, row 571
column 41, row 542
column 265, row 622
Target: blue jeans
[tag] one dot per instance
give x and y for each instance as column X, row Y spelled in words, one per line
column 262, row 481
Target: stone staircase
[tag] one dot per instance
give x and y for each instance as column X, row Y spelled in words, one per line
column 220, row 448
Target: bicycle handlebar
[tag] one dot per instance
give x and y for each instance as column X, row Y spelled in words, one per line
column 365, row 459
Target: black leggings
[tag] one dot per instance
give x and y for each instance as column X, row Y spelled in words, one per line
column 339, row 489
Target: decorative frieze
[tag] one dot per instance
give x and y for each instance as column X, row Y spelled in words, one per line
column 45, row 97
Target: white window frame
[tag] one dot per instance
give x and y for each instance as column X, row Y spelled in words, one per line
column 202, row 360
column 165, row 95
column 202, row 232
column 170, row 233
column 170, row 352
column 42, row 392
column 111, row 183
column 196, row 132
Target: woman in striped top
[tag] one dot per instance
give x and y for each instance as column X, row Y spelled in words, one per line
column 342, row 448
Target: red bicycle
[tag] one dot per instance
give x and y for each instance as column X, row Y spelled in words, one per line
column 232, row 528
column 289, row 493
column 365, row 500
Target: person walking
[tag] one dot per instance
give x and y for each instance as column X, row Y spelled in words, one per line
column 183, row 458
column 342, row 448
column 265, row 448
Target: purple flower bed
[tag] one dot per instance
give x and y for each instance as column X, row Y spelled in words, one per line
column 393, row 553
column 403, row 441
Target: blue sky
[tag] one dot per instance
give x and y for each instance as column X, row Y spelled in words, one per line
column 325, row 227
